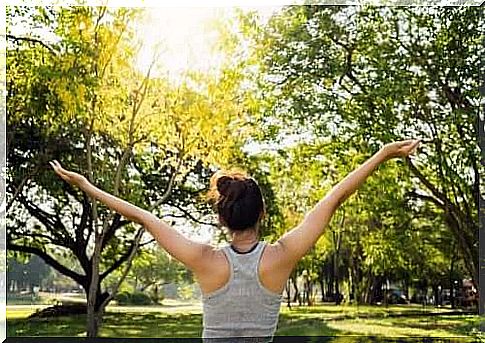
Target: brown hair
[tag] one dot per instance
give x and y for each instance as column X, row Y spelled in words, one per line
column 237, row 199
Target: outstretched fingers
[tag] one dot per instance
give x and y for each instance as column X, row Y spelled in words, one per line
column 54, row 166
column 414, row 146
column 57, row 168
column 57, row 164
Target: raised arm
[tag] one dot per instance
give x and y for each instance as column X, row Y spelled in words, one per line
column 188, row 252
column 295, row 244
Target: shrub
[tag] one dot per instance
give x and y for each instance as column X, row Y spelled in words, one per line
column 135, row 298
column 140, row 298
column 123, row 298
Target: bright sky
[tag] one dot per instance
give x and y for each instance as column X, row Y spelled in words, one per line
column 186, row 36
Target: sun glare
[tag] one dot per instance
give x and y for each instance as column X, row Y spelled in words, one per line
column 180, row 38
column 183, row 38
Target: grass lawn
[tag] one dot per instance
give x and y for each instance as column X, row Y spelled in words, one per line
column 185, row 320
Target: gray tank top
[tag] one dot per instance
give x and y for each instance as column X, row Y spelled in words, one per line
column 243, row 307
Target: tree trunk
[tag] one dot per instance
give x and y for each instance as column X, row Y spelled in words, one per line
column 436, row 295
column 330, row 284
column 309, row 292
column 452, row 286
column 358, row 282
column 322, row 287
column 288, row 293
column 452, row 295
column 93, row 324
column 336, row 280
column 337, row 239
column 297, row 292
column 337, row 292
column 92, row 311
column 351, row 281
column 93, row 320
column 376, row 290
column 406, row 289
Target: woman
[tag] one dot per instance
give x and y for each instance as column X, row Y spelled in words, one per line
column 242, row 282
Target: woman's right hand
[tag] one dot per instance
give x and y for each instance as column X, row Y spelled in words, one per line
column 401, row 148
column 69, row 176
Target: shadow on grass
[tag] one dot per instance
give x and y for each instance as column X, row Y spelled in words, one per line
column 367, row 312
column 291, row 325
column 61, row 326
column 152, row 325
column 189, row 325
column 127, row 324
column 459, row 325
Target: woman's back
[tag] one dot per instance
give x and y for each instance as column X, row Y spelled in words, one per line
column 243, row 307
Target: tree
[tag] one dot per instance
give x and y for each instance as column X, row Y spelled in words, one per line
column 131, row 134
column 377, row 74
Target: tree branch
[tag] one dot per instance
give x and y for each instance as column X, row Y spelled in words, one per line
column 147, row 242
column 348, row 66
column 168, row 191
column 121, row 260
column 432, row 199
column 49, row 260
column 50, row 239
column 32, row 40
column 18, row 190
column 426, row 182
column 115, row 225
column 45, row 219
column 189, row 215
column 86, row 214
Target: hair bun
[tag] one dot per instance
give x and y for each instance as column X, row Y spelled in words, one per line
column 231, row 188
column 237, row 199
column 223, row 184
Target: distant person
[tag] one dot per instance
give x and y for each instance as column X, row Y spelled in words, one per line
column 242, row 282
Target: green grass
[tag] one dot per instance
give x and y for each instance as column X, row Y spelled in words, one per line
column 124, row 322
column 185, row 320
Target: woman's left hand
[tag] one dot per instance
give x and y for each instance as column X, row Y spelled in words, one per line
column 401, row 148
column 69, row 176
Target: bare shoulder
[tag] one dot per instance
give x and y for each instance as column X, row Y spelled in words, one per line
column 275, row 267
column 211, row 257
column 213, row 270
column 275, row 256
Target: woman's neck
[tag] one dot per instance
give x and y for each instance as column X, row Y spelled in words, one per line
column 245, row 239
